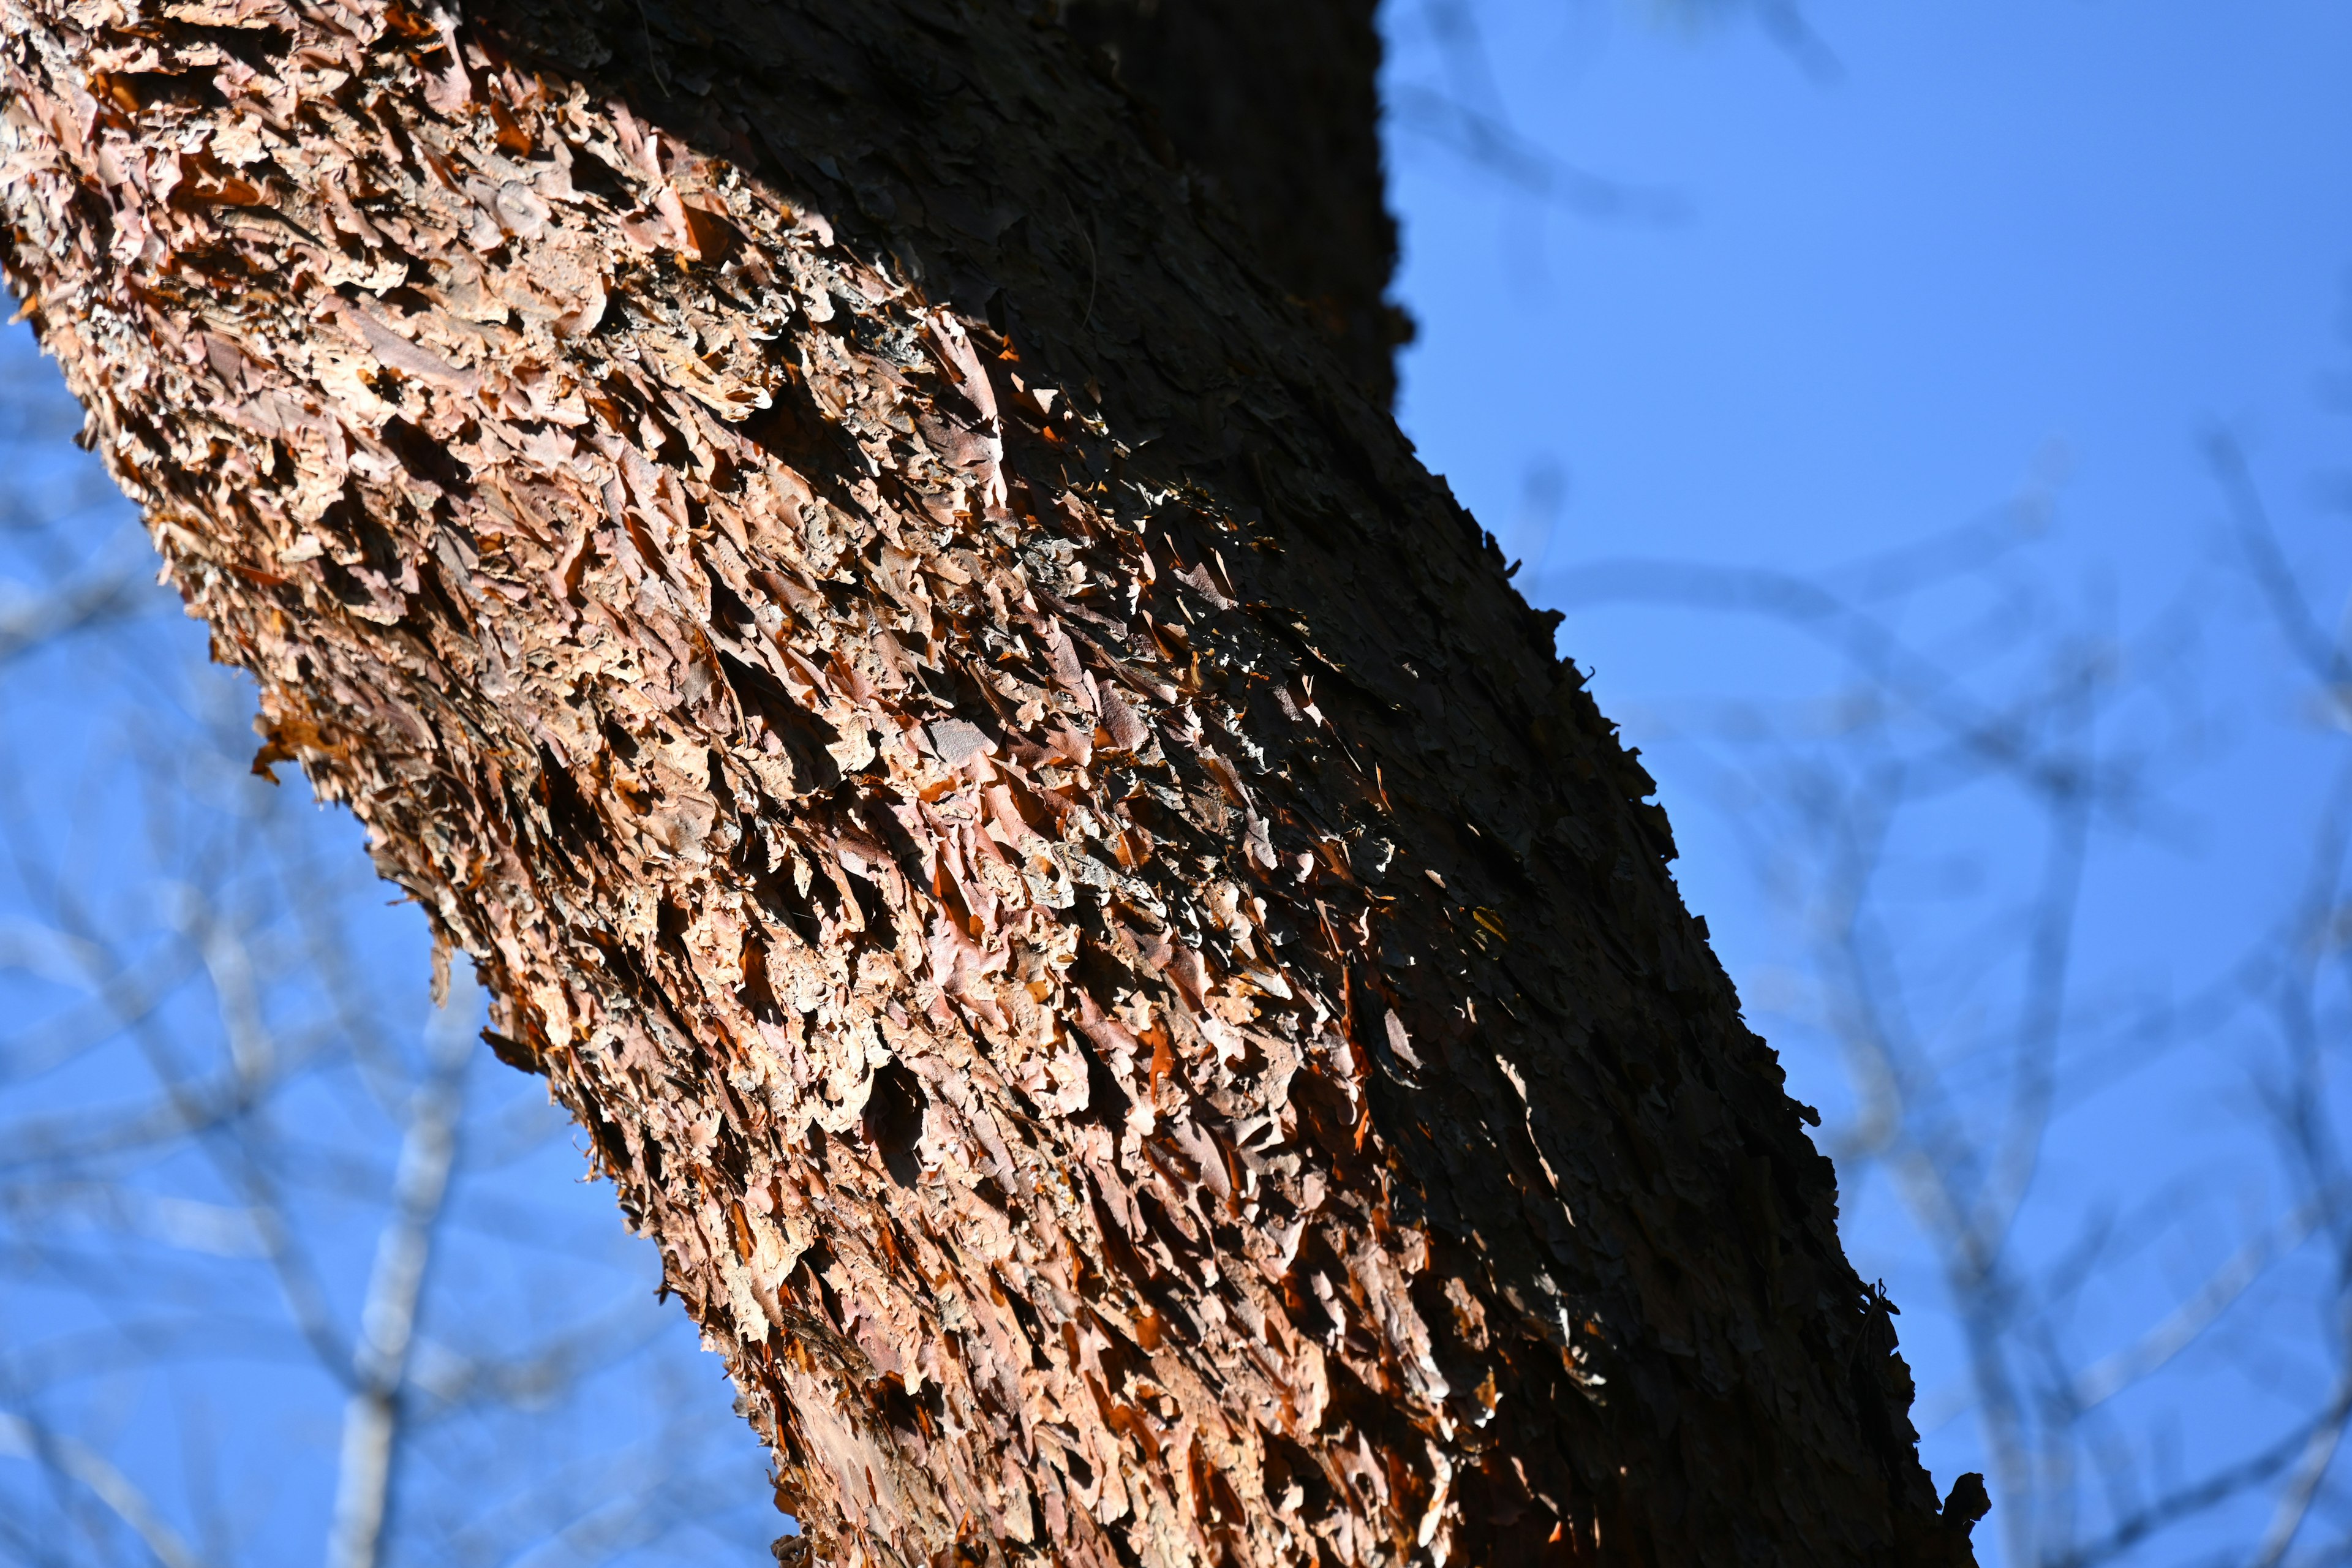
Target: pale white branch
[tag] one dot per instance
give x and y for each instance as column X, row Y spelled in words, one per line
column 120, row 1494
column 395, row 1286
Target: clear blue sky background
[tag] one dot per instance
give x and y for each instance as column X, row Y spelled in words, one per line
column 1999, row 250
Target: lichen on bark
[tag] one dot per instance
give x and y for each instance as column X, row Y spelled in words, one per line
column 1139, row 1000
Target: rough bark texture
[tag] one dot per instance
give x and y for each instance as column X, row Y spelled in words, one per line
column 1141, row 1003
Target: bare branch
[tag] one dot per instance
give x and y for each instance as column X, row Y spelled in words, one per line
column 121, row 1497
column 2303, row 1485
column 2112, row 1374
column 388, row 1321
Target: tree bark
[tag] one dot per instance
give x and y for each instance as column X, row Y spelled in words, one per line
column 1278, row 108
column 1141, row 1001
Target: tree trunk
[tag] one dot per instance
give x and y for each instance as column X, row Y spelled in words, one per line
column 1141, row 1001
column 1279, row 107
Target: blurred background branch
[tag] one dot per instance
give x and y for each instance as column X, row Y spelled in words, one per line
column 280, row 1268
column 1924, row 829
column 284, row 1266
column 2025, row 838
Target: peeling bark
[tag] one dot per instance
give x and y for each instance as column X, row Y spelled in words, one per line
column 1141, row 1003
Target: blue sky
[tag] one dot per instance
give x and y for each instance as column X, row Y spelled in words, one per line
column 1965, row 260
column 2001, row 260
column 163, row 917
column 2005, row 230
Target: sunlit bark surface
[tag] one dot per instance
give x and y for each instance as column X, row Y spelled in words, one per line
column 1141, row 1001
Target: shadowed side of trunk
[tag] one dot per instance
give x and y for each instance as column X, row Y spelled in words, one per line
column 1141, row 1001
column 1278, row 106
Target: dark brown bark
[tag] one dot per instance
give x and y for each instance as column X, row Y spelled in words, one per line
column 1278, row 106
column 1141, row 1003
